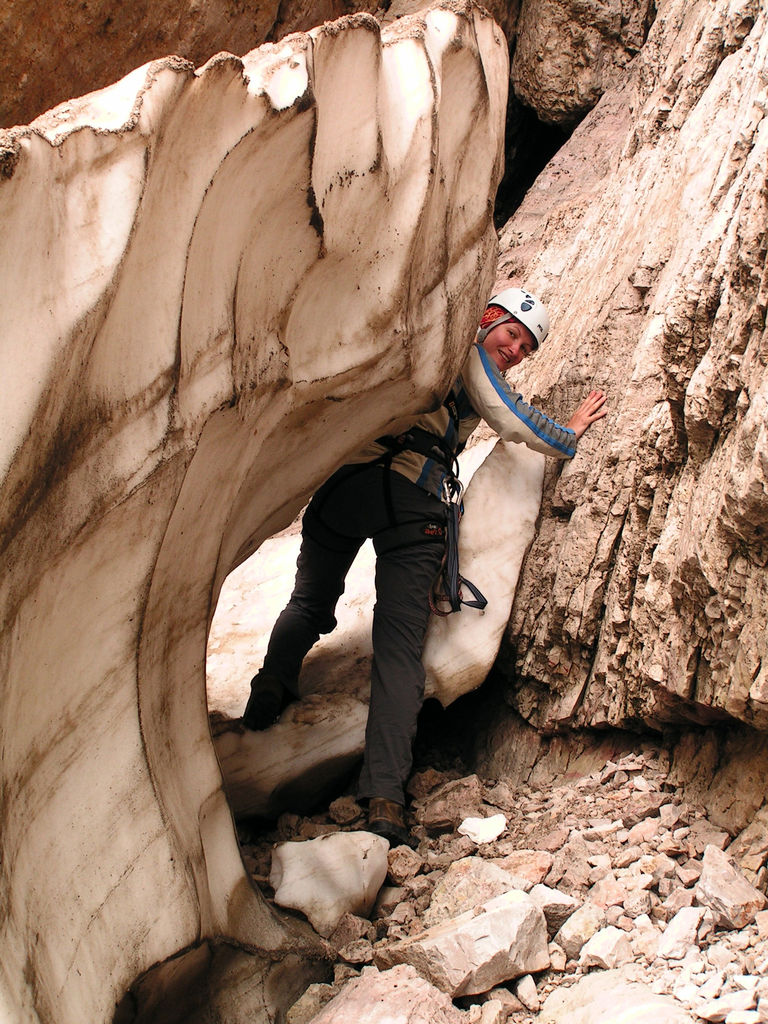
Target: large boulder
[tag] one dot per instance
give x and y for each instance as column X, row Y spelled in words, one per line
column 378, row 997
column 569, row 52
column 215, row 285
column 503, row 938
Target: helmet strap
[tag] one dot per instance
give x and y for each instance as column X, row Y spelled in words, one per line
column 483, row 332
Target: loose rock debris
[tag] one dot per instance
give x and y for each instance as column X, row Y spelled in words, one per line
column 639, row 897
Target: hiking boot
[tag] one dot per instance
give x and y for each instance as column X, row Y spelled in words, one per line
column 269, row 698
column 385, row 818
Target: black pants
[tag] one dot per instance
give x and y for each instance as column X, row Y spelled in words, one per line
column 407, row 527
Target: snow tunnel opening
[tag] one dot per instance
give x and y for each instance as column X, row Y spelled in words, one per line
column 250, row 601
column 306, row 759
column 313, row 754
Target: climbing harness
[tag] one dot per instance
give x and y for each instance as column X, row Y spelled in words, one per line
column 447, row 587
column 446, row 594
column 449, row 579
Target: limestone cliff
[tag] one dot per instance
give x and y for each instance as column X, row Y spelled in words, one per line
column 644, row 597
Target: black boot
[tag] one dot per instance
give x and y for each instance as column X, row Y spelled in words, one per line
column 269, row 698
column 385, row 818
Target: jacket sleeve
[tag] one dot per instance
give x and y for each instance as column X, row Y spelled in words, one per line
column 507, row 413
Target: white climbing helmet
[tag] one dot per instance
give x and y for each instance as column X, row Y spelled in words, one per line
column 524, row 307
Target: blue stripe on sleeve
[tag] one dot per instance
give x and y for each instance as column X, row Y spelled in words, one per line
column 505, row 394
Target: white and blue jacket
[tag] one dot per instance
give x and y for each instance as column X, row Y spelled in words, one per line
column 480, row 392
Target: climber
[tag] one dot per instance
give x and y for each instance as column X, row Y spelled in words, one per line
column 400, row 492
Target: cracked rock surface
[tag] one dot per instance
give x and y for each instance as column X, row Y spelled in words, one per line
column 645, row 595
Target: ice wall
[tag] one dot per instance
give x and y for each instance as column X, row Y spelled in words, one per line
column 215, row 284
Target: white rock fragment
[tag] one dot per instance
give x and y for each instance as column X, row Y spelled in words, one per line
column 689, row 873
column 531, row 866
column 669, row 814
column 707, row 926
column 500, row 940
column 607, row 892
column 644, row 831
column 380, row 997
column 638, row 903
column 603, row 829
column 483, row 830
column 645, row 937
column 712, row 987
column 732, row 1002
column 748, row 982
column 509, row 1002
column 725, row 890
column 492, row 1011
column 328, row 877
column 609, row 947
column 687, row 993
column 579, row 928
column 680, row 934
column 402, row 863
column 525, row 990
column 658, row 866
column 557, row 957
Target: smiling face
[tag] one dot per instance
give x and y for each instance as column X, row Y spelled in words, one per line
column 508, row 344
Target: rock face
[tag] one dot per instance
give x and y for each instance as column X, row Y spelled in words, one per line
column 106, row 40
column 644, row 597
column 568, row 53
column 202, row 280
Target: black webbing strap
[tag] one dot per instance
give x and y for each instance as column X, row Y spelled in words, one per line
column 449, row 580
column 420, row 441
